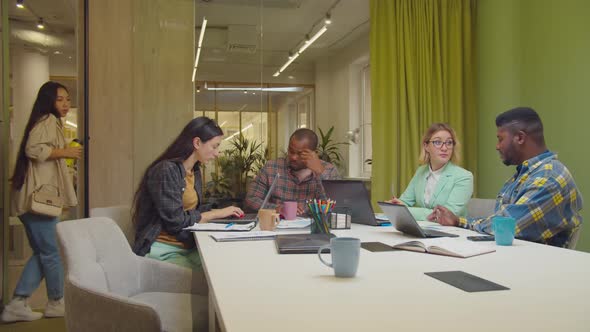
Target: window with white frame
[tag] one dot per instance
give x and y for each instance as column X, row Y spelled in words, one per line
column 359, row 133
column 366, row 132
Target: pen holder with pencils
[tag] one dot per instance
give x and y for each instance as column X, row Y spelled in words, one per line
column 320, row 211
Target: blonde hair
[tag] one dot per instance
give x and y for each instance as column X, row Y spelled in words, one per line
column 433, row 129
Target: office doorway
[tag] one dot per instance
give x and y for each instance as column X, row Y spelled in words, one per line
column 41, row 41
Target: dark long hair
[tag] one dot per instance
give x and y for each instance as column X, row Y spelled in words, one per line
column 180, row 149
column 44, row 106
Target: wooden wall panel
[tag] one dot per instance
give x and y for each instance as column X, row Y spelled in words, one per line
column 140, row 89
column 163, row 70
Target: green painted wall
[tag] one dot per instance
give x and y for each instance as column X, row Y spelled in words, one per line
column 536, row 53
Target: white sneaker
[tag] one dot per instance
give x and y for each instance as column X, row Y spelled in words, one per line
column 55, row 308
column 18, row 310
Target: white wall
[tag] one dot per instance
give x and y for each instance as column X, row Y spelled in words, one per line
column 30, row 70
column 62, row 65
column 336, row 92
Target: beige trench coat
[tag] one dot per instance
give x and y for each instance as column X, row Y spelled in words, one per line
column 43, row 138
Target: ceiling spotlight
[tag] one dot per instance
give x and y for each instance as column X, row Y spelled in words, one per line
column 245, row 92
column 20, row 3
column 40, row 24
column 328, row 19
column 198, row 89
column 290, row 54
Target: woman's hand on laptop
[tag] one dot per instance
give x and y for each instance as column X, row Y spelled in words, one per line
column 395, row 200
column 221, row 213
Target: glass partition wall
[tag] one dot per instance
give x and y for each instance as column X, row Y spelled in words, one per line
column 256, row 122
column 236, row 55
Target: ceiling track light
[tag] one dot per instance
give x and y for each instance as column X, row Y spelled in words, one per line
column 199, row 46
column 328, row 19
column 20, row 4
column 40, row 23
column 308, row 41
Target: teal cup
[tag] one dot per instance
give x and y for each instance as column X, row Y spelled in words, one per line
column 345, row 256
column 503, row 228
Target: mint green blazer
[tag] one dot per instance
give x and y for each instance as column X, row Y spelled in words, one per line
column 453, row 191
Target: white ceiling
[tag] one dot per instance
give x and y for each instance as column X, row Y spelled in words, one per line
column 279, row 26
column 59, row 15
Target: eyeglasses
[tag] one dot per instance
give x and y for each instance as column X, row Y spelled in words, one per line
column 438, row 144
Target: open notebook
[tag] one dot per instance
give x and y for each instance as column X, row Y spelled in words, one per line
column 456, row 247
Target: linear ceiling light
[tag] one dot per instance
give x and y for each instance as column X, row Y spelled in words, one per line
column 303, row 47
column 314, row 38
column 241, row 131
column 199, row 45
column 276, row 89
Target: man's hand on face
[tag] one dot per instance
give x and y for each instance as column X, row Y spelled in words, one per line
column 312, row 161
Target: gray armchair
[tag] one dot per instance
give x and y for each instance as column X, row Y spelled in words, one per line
column 480, row 207
column 109, row 288
column 121, row 214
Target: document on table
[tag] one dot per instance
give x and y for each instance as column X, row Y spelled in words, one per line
column 214, row 227
column 250, row 236
column 297, row 223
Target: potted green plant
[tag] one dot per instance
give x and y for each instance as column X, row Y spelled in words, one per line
column 328, row 150
column 238, row 165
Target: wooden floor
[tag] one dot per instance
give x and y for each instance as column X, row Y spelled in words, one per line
column 41, row 325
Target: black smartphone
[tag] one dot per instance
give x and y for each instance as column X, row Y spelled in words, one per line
column 376, row 246
column 481, row 238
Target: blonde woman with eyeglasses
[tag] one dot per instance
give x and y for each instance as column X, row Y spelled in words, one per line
column 438, row 181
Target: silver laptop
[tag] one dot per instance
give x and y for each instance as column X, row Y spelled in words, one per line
column 248, row 217
column 404, row 221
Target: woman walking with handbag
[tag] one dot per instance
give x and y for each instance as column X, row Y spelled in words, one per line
column 41, row 187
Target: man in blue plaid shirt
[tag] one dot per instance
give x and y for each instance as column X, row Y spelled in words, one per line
column 542, row 196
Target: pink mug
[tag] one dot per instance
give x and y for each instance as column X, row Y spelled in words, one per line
column 289, row 210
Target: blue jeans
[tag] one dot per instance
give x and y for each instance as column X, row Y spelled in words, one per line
column 45, row 262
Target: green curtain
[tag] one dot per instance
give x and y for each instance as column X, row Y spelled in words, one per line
column 422, row 71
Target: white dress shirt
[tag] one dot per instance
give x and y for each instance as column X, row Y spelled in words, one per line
column 431, row 182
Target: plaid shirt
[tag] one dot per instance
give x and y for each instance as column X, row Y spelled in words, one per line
column 542, row 197
column 288, row 186
column 159, row 206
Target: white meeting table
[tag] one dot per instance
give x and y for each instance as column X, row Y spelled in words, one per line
column 253, row 288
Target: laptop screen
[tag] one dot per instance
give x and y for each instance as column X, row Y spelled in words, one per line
column 351, row 197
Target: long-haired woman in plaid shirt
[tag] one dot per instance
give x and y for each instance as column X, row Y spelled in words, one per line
column 169, row 196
